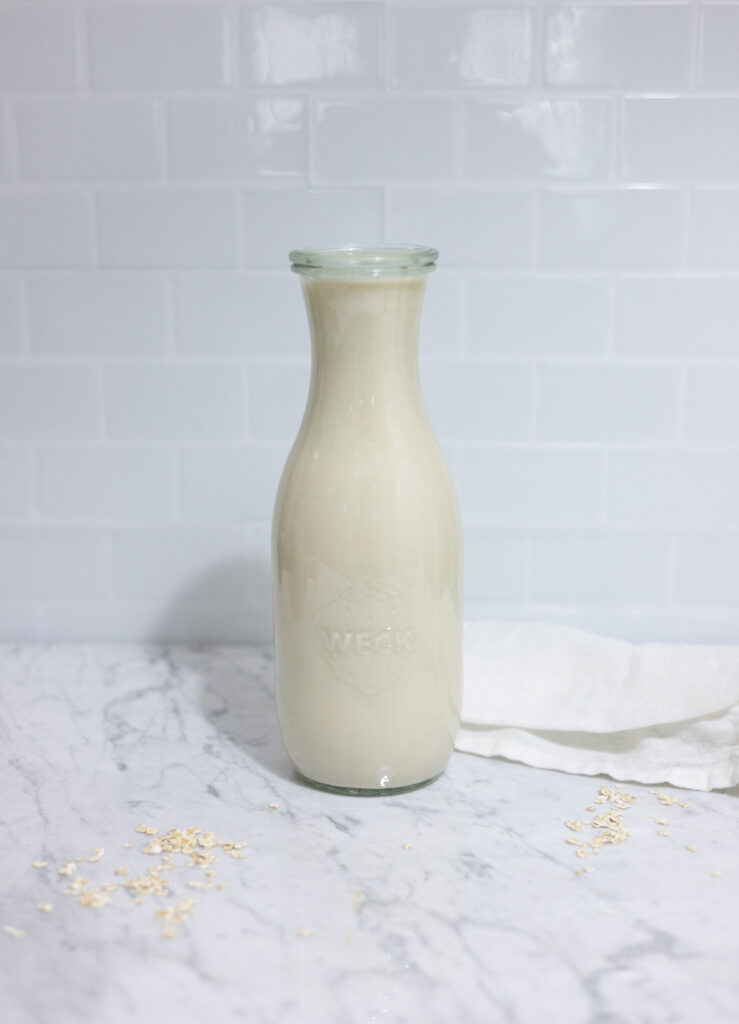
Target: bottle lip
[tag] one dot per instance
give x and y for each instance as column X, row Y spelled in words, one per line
column 349, row 260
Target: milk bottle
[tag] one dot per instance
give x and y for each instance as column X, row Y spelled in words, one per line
column 366, row 547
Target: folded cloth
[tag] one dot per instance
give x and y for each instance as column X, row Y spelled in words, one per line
column 556, row 697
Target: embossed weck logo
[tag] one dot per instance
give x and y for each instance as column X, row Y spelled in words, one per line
column 366, row 635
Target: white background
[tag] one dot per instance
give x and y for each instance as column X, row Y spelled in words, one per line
column 578, row 168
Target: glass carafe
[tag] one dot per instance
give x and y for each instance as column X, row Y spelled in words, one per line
column 366, row 540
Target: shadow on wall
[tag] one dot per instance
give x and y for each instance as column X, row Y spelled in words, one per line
column 229, row 602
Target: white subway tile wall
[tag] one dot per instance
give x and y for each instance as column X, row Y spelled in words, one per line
column 11, row 314
column 154, row 47
column 174, row 400
column 237, row 138
column 6, row 145
column 95, row 139
column 97, row 314
column 714, row 240
column 45, row 228
column 436, row 47
column 576, row 164
column 719, row 68
column 167, row 226
column 40, row 48
column 616, row 46
column 324, row 45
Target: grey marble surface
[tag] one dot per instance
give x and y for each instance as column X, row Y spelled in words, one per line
column 456, row 903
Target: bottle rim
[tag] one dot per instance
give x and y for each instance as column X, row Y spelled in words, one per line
column 349, row 260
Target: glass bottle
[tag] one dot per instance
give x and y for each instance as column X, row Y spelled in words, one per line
column 366, row 539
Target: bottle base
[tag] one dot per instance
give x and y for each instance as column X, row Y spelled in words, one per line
column 358, row 791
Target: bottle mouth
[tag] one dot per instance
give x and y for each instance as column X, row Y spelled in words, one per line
column 364, row 261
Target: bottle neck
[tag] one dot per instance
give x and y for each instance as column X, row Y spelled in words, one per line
column 364, row 336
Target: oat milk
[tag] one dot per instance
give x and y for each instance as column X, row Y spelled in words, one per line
column 366, row 552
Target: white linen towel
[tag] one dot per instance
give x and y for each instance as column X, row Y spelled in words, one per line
column 556, row 697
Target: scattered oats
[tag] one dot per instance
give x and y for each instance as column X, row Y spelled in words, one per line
column 203, row 860
column 689, row 846
column 177, row 913
column 655, row 791
column 197, row 845
column 663, row 821
column 611, row 819
column 95, row 898
column 151, row 882
column 616, row 797
column 16, row 933
column 668, row 801
column 685, row 803
column 178, row 841
column 585, row 870
column 46, row 908
column 220, row 886
column 653, row 816
column 356, row 900
column 407, row 846
column 715, row 874
column 663, row 832
column 610, row 830
column 608, row 826
column 305, row 933
column 80, row 859
column 39, row 863
column 273, row 807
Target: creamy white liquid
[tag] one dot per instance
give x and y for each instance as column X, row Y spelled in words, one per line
column 367, row 553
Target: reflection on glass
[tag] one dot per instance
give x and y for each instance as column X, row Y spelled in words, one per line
column 571, row 149
column 494, row 49
column 293, row 47
column 276, row 117
column 575, row 46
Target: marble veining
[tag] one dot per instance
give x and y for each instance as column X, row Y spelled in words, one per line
column 482, row 919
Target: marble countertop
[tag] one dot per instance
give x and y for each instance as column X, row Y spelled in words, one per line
column 456, row 904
